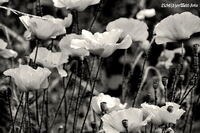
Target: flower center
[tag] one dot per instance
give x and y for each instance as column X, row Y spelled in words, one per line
column 104, row 108
column 170, row 109
column 125, row 124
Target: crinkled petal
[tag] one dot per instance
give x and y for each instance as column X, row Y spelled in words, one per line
column 177, row 27
column 27, row 78
column 135, row 28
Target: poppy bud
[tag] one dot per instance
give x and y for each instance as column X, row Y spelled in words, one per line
column 104, row 107
column 125, row 123
column 155, row 83
column 164, row 80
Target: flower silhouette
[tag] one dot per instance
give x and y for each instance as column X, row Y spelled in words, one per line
column 50, row 59
column 27, row 78
column 6, row 53
column 126, row 120
column 104, row 44
column 135, row 28
column 45, row 27
column 79, row 5
column 177, row 27
column 102, row 104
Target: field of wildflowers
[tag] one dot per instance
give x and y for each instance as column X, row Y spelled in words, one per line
column 99, row 66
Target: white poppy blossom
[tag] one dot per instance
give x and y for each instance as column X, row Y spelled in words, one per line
column 79, row 5
column 105, row 104
column 104, row 44
column 130, row 120
column 169, row 113
column 45, row 27
column 50, row 59
column 177, row 27
column 27, row 78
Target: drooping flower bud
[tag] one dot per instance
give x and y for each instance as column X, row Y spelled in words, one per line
column 155, row 83
column 164, row 80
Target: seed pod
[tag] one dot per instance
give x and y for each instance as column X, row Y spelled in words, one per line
column 164, row 80
column 104, row 108
column 125, row 123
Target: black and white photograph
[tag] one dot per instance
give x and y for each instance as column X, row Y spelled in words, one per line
column 99, row 66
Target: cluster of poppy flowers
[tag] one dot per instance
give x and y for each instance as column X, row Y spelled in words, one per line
column 117, row 117
column 119, row 34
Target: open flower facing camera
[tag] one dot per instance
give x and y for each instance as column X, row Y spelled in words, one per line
column 50, row 59
column 177, row 27
column 126, row 120
column 169, row 113
column 79, row 5
column 6, row 53
column 26, row 78
column 103, row 104
column 45, row 27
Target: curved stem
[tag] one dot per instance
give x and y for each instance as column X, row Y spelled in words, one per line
column 143, row 67
column 145, row 77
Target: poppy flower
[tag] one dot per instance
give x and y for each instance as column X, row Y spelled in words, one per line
column 50, row 59
column 177, row 27
column 27, row 78
column 133, row 27
column 74, row 45
column 145, row 13
column 167, row 56
column 104, row 44
column 6, row 53
column 126, row 120
column 102, row 104
column 169, row 113
column 79, row 5
column 154, row 111
column 45, row 27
